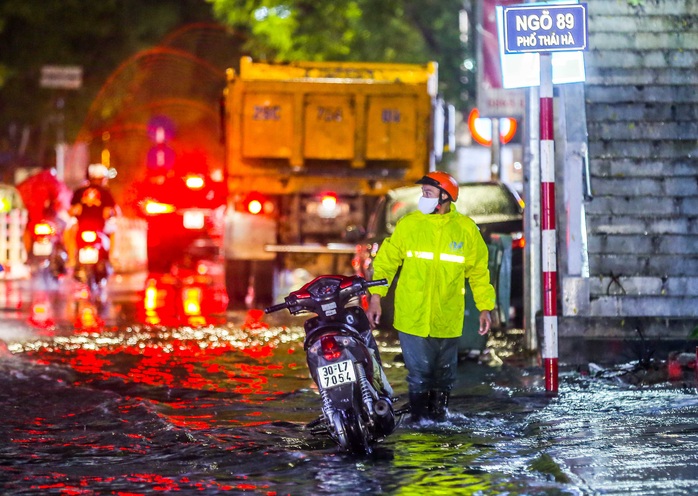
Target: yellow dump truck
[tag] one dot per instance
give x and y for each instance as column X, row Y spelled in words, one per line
column 310, row 146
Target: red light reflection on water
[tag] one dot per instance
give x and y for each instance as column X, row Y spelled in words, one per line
column 239, row 364
column 156, row 482
column 183, row 366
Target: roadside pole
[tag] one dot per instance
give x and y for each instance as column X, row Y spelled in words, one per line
column 544, row 29
column 548, row 231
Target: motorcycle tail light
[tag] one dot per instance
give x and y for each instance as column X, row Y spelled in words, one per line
column 89, row 236
column 194, row 182
column 330, row 348
column 156, row 208
column 43, row 229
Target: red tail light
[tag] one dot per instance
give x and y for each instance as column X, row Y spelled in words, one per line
column 518, row 241
column 194, row 182
column 151, row 207
column 254, row 207
column 89, row 236
column 43, row 229
column 257, row 203
column 330, row 348
column 329, row 200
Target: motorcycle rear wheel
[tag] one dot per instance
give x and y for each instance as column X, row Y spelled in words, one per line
column 351, row 431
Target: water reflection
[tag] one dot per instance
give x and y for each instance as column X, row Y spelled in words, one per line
column 144, row 409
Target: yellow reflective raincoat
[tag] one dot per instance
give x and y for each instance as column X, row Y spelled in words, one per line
column 437, row 254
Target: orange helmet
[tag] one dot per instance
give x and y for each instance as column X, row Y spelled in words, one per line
column 445, row 182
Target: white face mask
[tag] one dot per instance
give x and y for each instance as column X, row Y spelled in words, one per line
column 427, row 205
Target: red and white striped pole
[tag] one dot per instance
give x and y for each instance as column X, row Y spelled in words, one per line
column 548, row 233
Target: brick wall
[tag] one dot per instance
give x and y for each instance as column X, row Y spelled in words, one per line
column 641, row 99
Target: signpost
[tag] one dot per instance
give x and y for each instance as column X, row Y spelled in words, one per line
column 61, row 77
column 549, row 28
column 544, row 29
column 65, row 77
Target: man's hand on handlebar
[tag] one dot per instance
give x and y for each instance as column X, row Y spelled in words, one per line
column 374, row 310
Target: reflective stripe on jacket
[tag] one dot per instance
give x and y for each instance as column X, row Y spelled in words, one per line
column 437, row 254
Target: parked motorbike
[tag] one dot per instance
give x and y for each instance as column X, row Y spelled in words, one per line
column 47, row 255
column 92, row 267
column 357, row 411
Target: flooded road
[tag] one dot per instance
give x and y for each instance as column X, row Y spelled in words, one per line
column 129, row 408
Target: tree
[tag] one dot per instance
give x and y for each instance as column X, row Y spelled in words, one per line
column 412, row 31
column 96, row 36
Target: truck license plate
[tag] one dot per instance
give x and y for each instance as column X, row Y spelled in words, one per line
column 336, row 374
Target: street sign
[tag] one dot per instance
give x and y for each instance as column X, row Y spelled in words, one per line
column 548, row 28
column 65, row 77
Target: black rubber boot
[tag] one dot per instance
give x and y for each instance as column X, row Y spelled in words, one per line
column 438, row 403
column 419, row 406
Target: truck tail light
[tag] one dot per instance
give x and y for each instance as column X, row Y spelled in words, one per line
column 329, row 200
column 254, row 206
column 329, row 206
column 518, row 241
column 256, row 203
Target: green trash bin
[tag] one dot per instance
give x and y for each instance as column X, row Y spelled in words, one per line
column 499, row 249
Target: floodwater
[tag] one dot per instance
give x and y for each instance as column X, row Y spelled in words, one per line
column 140, row 409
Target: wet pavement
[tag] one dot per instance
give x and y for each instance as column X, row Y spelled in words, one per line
column 124, row 407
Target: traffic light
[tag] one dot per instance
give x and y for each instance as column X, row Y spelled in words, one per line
column 161, row 156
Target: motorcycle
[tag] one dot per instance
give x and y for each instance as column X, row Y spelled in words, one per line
column 47, row 255
column 357, row 407
column 92, row 267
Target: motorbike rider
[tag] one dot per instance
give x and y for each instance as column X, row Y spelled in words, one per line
column 44, row 197
column 438, row 248
column 92, row 206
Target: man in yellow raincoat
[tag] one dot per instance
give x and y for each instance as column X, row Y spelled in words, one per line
column 438, row 249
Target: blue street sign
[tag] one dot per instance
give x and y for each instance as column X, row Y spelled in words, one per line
column 545, row 28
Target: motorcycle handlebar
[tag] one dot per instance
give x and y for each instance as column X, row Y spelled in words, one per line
column 378, row 282
column 275, row 308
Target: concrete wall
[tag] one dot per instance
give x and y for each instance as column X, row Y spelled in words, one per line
column 641, row 105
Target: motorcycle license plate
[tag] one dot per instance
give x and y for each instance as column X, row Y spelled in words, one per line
column 88, row 255
column 41, row 249
column 336, row 374
column 193, row 219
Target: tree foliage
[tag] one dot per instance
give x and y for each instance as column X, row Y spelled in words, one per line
column 414, row 31
column 96, row 36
